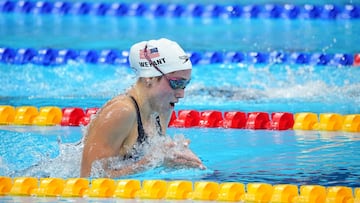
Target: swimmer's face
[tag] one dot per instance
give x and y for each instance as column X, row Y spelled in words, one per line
column 167, row 96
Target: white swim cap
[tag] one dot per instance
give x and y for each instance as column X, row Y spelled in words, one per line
column 167, row 55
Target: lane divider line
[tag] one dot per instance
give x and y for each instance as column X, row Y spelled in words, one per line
column 53, row 57
column 175, row 190
column 192, row 10
column 75, row 116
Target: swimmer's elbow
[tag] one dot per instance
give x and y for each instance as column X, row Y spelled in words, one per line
column 85, row 167
column 84, row 170
column 84, row 173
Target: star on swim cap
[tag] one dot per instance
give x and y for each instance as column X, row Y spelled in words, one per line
column 167, row 55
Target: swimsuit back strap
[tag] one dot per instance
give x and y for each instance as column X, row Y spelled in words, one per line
column 141, row 132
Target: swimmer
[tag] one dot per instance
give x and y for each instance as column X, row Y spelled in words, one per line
column 128, row 120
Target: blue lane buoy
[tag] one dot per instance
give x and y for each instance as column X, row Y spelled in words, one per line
column 24, row 6
column 351, row 11
column 45, row 57
column 65, row 55
column 137, row 9
column 278, row 57
column 7, row 55
column 310, row 11
column 7, row 6
column 158, row 9
column 251, row 11
column 214, row 56
column 89, row 56
column 213, row 10
column 257, row 57
column 176, row 10
column 194, row 10
column 320, row 58
column 24, row 56
column 118, row 9
column 80, row 8
column 234, row 11
column 272, row 11
column 108, row 56
column 343, row 59
column 195, row 57
column 207, row 57
column 99, row 9
column 234, row 57
column 61, row 7
column 300, row 58
column 290, row 11
column 122, row 58
column 330, row 11
column 43, row 7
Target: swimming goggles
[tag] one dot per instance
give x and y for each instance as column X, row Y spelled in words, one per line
column 175, row 83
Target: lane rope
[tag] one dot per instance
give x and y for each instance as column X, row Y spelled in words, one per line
column 53, row 57
column 74, row 116
column 287, row 11
column 175, row 190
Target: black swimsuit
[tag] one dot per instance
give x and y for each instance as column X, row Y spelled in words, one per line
column 141, row 132
column 142, row 137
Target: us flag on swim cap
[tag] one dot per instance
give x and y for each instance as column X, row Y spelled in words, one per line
column 152, row 53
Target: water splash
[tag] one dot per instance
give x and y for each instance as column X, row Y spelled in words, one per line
column 66, row 165
column 161, row 152
column 60, row 157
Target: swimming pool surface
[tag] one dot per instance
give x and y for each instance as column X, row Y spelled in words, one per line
column 299, row 157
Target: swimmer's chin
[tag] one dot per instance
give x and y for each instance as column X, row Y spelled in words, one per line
column 172, row 105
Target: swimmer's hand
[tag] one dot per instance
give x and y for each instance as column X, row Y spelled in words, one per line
column 185, row 159
column 182, row 156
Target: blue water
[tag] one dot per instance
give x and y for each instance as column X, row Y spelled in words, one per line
column 295, row 157
column 245, row 87
column 194, row 34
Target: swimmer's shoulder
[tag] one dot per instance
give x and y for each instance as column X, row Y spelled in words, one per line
column 119, row 107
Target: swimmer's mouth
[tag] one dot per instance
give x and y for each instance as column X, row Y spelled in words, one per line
column 172, row 104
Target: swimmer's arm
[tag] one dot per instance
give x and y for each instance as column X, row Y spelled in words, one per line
column 107, row 133
column 128, row 169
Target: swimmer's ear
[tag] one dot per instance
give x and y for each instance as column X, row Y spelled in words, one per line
column 148, row 82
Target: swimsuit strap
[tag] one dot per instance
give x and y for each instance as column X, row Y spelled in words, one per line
column 141, row 132
column 158, row 125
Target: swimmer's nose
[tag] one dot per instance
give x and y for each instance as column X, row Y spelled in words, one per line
column 180, row 93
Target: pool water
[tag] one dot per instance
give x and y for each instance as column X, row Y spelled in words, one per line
column 297, row 157
column 275, row 157
column 238, row 34
column 244, row 87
